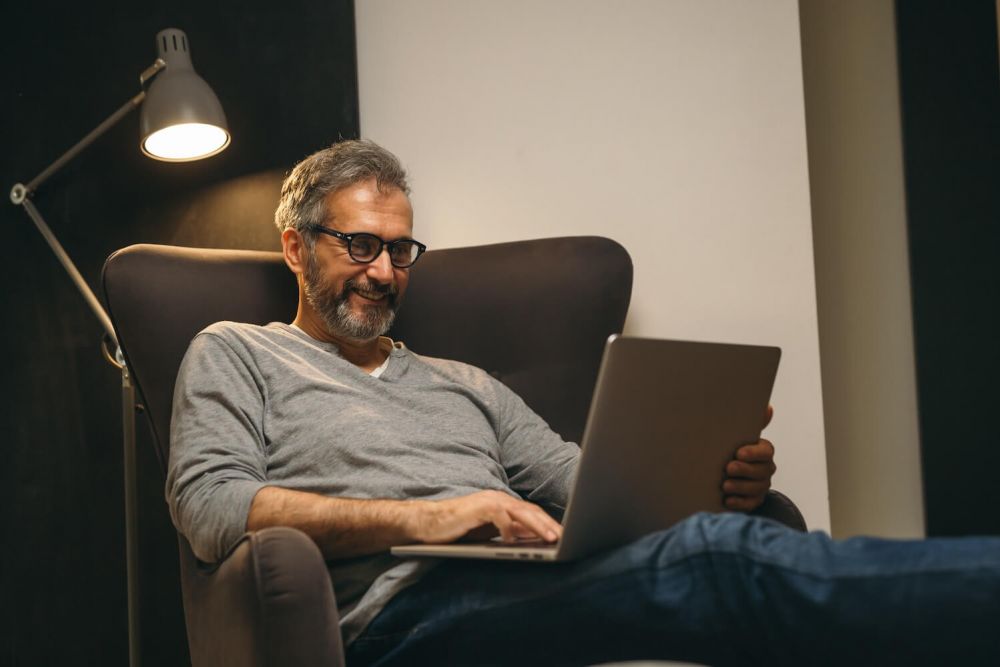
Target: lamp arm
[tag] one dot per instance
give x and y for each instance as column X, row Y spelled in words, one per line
column 71, row 269
column 91, row 137
column 20, row 192
column 21, row 195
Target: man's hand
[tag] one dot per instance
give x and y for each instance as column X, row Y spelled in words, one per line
column 443, row 521
column 748, row 476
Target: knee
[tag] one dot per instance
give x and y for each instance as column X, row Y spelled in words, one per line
column 708, row 532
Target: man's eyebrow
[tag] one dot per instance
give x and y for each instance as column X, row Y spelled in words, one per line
column 405, row 237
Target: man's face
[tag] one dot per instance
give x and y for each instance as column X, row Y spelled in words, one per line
column 358, row 301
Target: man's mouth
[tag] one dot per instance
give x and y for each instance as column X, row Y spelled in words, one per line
column 372, row 296
column 373, row 291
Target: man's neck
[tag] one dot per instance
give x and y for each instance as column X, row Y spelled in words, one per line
column 365, row 354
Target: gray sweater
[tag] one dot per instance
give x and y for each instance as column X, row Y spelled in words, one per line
column 271, row 406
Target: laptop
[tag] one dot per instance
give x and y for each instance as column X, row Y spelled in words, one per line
column 665, row 418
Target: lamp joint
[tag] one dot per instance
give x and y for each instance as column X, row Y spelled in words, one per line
column 18, row 194
column 152, row 71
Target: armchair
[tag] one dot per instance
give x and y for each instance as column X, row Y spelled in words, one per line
column 535, row 314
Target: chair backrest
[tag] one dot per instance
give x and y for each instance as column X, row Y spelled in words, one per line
column 535, row 313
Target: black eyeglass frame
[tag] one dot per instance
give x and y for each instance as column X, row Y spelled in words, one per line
column 349, row 240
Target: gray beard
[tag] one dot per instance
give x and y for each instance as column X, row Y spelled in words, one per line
column 335, row 311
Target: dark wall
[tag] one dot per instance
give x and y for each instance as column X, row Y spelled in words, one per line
column 286, row 75
column 950, row 94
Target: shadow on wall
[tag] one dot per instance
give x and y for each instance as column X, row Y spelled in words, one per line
column 242, row 208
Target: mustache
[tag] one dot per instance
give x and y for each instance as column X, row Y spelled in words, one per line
column 390, row 290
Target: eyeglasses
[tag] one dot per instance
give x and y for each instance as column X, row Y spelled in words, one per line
column 364, row 248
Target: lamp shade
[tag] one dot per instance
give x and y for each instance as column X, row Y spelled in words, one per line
column 181, row 118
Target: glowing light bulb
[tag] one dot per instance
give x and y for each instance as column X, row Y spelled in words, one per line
column 187, row 141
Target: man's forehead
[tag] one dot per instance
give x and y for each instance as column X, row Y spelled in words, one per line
column 365, row 202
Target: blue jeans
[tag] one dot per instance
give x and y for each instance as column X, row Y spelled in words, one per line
column 722, row 589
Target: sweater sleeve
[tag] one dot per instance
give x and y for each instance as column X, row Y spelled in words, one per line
column 217, row 450
column 540, row 465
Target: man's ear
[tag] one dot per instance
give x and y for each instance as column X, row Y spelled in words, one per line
column 294, row 249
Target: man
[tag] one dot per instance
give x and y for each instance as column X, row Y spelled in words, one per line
column 330, row 427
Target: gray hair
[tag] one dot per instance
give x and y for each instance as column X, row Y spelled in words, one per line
column 304, row 192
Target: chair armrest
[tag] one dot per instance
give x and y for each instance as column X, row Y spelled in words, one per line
column 779, row 507
column 268, row 602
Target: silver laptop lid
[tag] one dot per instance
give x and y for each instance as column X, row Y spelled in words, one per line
column 665, row 418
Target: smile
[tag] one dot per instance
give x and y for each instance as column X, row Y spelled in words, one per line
column 371, row 296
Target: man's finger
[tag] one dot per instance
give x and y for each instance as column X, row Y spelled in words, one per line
column 744, row 470
column 745, row 487
column 523, row 532
column 768, row 415
column 506, row 528
column 758, row 452
column 536, row 520
column 516, row 518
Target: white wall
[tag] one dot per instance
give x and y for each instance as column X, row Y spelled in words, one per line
column 862, row 267
column 676, row 128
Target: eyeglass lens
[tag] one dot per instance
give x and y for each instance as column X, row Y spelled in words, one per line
column 365, row 247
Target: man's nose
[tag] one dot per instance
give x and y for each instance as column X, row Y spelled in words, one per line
column 380, row 268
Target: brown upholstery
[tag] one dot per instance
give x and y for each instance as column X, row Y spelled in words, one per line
column 159, row 297
column 533, row 313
